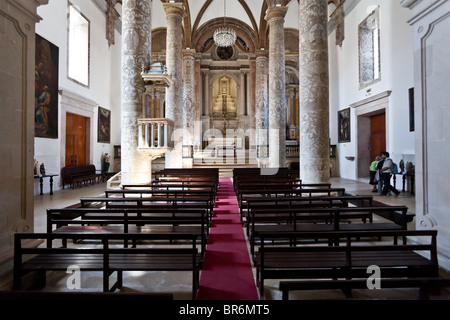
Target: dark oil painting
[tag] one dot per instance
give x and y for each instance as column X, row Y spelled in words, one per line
column 46, row 89
column 104, row 125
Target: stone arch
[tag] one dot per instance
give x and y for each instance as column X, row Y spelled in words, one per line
column 204, row 34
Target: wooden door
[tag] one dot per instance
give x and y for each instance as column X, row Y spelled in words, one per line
column 75, row 140
column 377, row 135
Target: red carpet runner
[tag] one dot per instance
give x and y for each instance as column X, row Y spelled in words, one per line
column 227, row 271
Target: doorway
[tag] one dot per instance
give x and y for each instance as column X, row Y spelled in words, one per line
column 372, row 121
column 371, row 140
column 76, row 126
column 377, row 135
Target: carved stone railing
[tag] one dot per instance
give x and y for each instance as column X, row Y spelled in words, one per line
column 155, row 136
column 292, row 149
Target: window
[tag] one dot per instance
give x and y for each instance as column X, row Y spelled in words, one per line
column 78, row 47
column 369, row 50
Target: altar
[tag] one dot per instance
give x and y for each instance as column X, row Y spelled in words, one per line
column 225, row 150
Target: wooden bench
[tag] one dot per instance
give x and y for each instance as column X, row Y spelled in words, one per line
column 349, row 260
column 164, row 193
column 266, row 204
column 428, row 287
column 107, row 258
column 78, row 175
column 243, row 196
column 318, row 220
column 181, row 185
column 152, row 202
column 162, row 221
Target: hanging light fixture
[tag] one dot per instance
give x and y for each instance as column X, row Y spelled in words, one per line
column 224, row 36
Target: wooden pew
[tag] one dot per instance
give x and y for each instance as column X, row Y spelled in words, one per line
column 159, row 221
column 428, row 287
column 348, row 260
column 243, row 196
column 304, row 202
column 107, row 258
column 164, row 193
column 183, row 185
column 318, row 220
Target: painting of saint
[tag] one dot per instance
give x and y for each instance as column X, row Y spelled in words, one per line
column 344, row 125
column 46, row 89
column 104, row 125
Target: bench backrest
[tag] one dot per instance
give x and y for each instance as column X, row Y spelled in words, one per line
column 291, row 201
column 108, row 240
column 68, row 172
column 61, row 217
column 300, row 213
column 350, row 247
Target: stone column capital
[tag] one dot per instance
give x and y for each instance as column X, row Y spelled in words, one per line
column 174, row 9
column 262, row 53
column 189, row 53
column 275, row 12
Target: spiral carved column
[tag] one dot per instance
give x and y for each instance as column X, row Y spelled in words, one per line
column 314, row 92
column 277, row 108
column 174, row 94
column 136, row 51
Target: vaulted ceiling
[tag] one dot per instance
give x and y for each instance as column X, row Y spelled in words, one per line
column 201, row 14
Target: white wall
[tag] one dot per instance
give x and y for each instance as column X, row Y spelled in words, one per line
column 397, row 75
column 104, row 86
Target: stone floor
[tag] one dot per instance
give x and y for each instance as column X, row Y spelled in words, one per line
column 179, row 283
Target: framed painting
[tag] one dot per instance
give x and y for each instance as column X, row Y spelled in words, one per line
column 344, row 125
column 411, row 109
column 104, row 125
column 46, row 89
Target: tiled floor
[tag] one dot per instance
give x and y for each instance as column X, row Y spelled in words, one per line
column 179, row 283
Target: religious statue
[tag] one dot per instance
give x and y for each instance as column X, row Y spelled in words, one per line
column 402, row 166
column 42, row 169
column 36, row 165
column 106, row 163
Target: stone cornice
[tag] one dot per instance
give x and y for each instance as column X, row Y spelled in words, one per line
column 176, row 9
column 371, row 99
column 28, row 7
column 275, row 12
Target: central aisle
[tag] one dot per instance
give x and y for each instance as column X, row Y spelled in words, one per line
column 227, row 270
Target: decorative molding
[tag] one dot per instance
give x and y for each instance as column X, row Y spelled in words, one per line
column 371, row 99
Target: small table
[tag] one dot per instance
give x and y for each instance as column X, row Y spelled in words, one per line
column 41, row 182
column 404, row 175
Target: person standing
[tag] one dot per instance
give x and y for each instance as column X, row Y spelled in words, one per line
column 386, row 173
column 373, row 171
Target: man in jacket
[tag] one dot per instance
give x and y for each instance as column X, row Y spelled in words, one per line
column 386, row 173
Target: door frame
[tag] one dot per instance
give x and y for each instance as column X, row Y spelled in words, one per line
column 72, row 103
column 364, row 109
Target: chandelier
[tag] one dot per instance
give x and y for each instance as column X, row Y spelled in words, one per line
column 224, row 36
